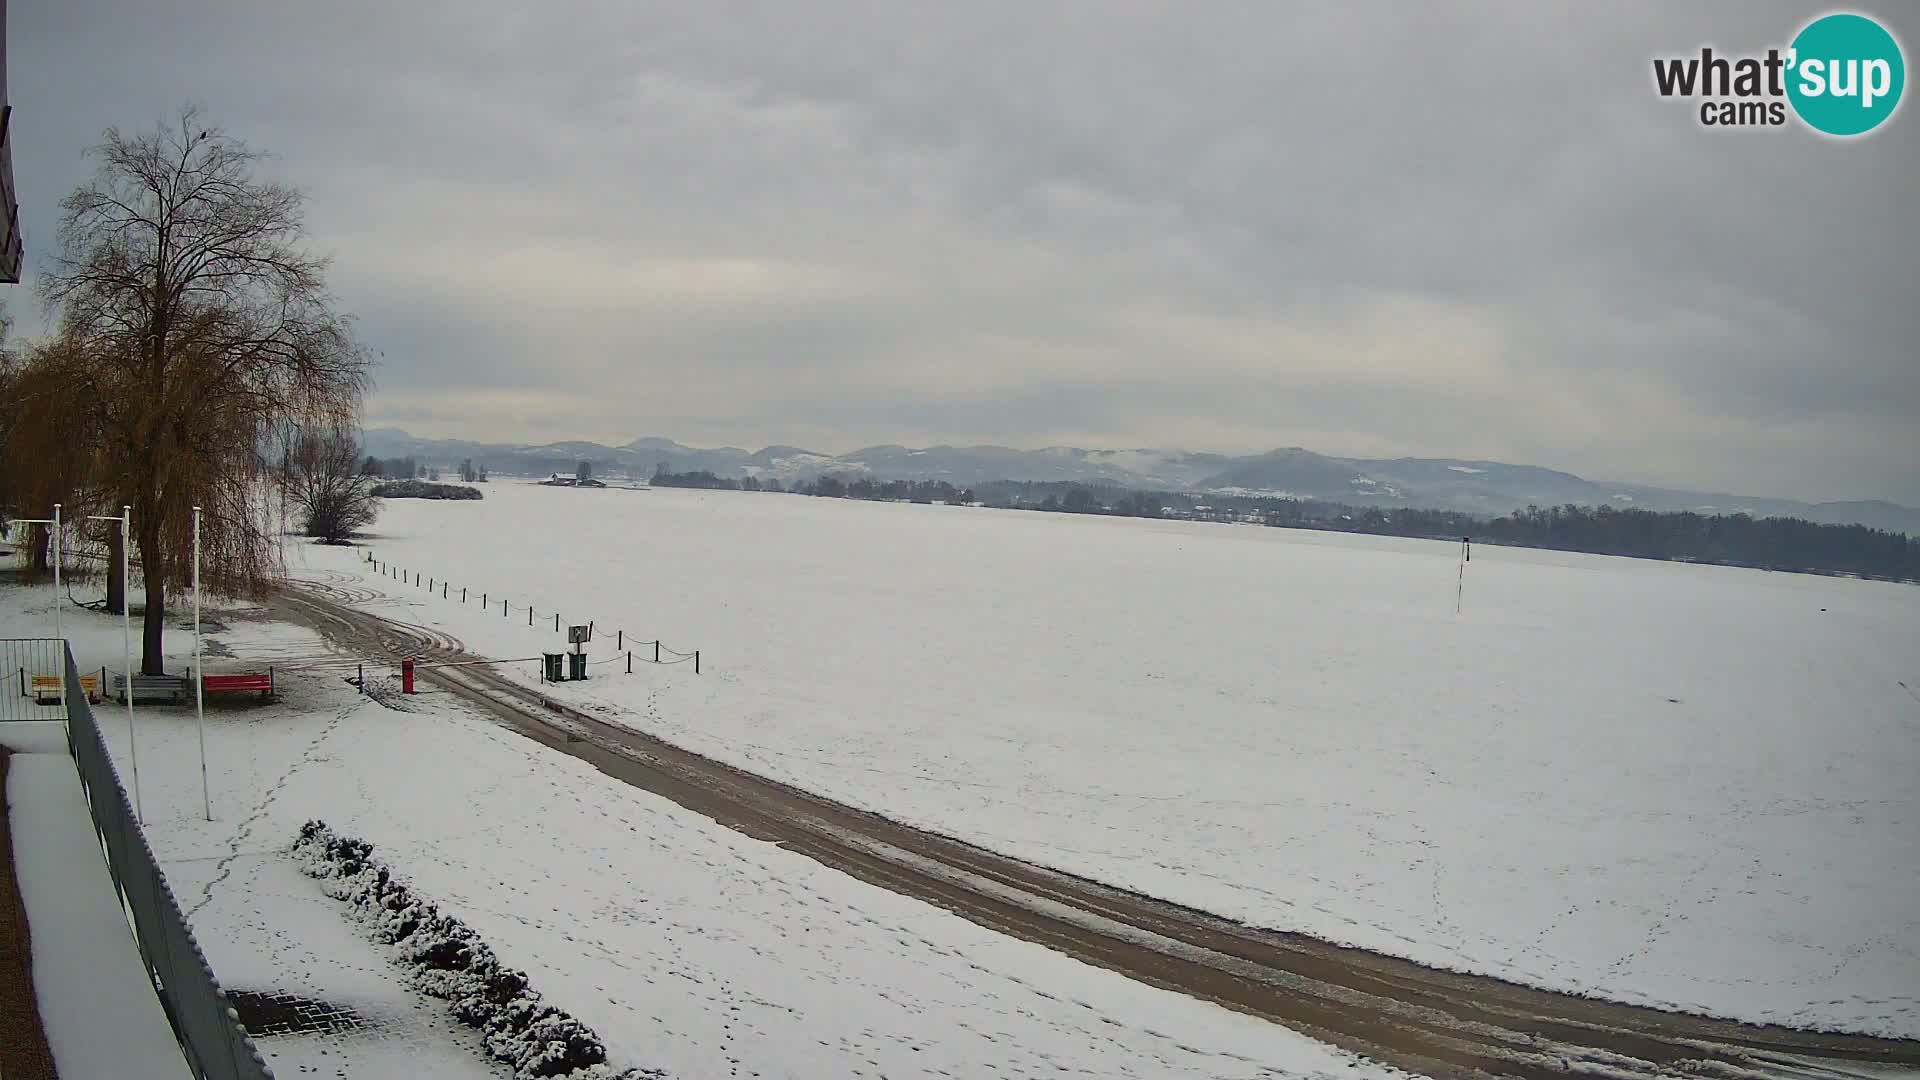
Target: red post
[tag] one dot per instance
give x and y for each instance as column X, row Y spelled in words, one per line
column 406, row 675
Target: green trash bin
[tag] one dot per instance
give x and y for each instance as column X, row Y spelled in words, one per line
column 550, row 666
column 576, row 665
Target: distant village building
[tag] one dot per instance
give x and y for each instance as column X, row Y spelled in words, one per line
column 574, row 480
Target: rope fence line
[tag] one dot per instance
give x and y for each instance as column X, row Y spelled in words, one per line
column 433, row 583
column 477, row 663
column 663, row 656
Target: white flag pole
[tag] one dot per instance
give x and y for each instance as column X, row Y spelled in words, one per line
column 126, row 650
column 126, row 646
column 199, row 675
column 59, row 601
column 57, row 595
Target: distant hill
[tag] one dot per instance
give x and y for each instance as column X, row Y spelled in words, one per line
column 1481, row 487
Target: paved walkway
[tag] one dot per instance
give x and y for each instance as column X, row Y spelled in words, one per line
column 23, row 1043
column 98, row 1013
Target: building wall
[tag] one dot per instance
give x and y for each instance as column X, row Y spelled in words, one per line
column 11, row 248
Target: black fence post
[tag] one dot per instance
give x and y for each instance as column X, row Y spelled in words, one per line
column 443, row 590
column 529, row 614
column 619, row 639
column 463, row 594
column 556, row 622
column 629, row 662
column 656, row 650
column 696, row 661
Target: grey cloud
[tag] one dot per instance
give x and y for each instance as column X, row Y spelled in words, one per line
column 1365, row 228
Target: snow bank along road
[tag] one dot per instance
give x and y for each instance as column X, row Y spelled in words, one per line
column 1425, row 1020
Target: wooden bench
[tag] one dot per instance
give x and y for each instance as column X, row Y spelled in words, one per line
column 171, row 689
column 252, row 682
column 46, row 689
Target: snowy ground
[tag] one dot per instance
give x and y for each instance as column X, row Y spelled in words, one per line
column 1678, row 785
column 687, row 946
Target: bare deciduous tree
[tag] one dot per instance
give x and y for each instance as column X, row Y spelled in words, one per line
column 329, row 486
column 180, row 274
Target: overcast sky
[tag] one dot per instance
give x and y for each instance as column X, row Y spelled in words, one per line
column 1372, row 229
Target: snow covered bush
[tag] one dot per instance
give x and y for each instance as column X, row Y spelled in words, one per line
column 446, row 959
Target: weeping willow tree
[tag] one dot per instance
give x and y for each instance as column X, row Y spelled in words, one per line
column 196, row 331
column 51, row 453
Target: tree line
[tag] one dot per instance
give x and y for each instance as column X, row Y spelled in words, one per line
column 1790, row 544
column 410, row 468
column 831, row 486
column 197, row 359
column 1772, row 543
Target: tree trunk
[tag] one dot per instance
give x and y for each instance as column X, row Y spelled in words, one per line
column 116, row 581
column 153, row 623
column 42, row 541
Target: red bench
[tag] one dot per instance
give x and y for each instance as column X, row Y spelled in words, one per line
column 261, row 684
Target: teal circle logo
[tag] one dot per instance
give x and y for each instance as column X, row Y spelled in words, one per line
column 1845, row 74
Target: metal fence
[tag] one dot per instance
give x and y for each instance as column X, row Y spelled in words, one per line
column 34, row 669
column 209, row 1030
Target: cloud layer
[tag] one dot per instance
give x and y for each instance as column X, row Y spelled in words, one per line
column 1368, row 229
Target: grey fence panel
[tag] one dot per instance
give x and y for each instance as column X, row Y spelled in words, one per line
column 217, row 1047
column 34, row 669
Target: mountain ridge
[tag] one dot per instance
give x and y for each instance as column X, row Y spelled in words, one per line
column 1471, row 485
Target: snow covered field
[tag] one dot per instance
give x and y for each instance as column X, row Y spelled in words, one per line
column 1676, row 785
column 687, row 946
